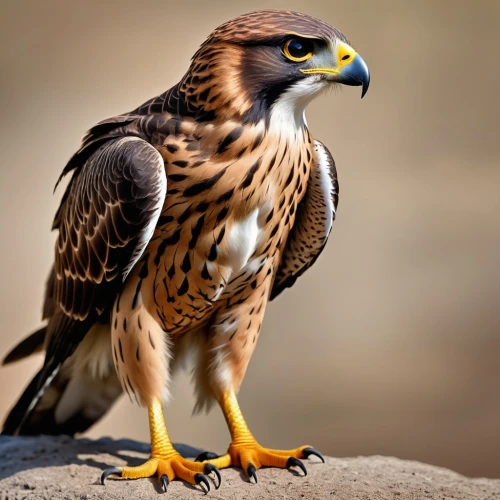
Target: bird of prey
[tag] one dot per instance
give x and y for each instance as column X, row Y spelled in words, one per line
column 181, row 220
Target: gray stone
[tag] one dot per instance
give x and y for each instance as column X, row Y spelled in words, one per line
column 64, row 468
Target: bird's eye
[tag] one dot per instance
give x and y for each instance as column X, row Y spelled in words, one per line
column 298, row 49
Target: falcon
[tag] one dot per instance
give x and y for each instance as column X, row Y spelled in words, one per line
column 181, row 220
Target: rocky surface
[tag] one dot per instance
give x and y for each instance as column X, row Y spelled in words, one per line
column 65, row 468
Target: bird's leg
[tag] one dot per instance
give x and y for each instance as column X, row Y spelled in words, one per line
column 244, row 450
column 165, row 462
column 234, row 336
column 141, row 356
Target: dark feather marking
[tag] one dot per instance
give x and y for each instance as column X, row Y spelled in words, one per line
column 136, row 294
column 165, row 219
column 204, row 272
column 143, row 273
column 241, row 152
column 221, row 234
column 203, row 96
column 186, row 264
column 204, row 185
column 183, row 288
column 180, row 163
column 270, row 216
column 257, row 142
column 177, row 177
column 229, row 139
column 214, row 251
column 250, row 174
column 171, row 271
column 170, row 299
column 151, row 341
column 274, row 231
column 222, row 214
column 271, row 163
column 184, row 216
column 132, row 389
column 121, row 350
column 196, row 231
column 226, row 196
column 268, row 246
column 202, row 207
column 173, row 240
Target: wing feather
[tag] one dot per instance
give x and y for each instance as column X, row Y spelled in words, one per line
column 106, row 220
column 315, row 216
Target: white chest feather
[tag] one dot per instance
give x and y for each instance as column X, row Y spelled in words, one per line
column 243, row 239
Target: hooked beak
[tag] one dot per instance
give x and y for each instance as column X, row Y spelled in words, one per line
column 350, row 68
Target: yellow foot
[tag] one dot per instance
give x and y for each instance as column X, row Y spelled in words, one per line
column 167, row 469
column 252, row 456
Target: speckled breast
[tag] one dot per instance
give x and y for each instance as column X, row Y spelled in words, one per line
column 232, row 197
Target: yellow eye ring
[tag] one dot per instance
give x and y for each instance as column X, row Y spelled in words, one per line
column 298, row 50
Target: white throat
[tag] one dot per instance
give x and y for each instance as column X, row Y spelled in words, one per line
column 288, row 112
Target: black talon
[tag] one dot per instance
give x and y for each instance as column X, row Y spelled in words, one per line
column 307, row 452
column 164, row 482
column 206, row 455
column 212, row 468
column 109, row 471
column 295, row 462
column 252, row 472
column 200, row 478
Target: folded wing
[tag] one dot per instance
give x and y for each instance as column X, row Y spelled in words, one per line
column 105, row 223
column 315, row 216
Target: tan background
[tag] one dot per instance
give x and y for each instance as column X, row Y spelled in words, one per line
column 391, row 343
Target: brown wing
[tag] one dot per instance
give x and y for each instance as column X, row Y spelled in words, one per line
column 315, row 216
column 105, row 221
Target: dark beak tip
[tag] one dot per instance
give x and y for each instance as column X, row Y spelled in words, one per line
column 365, row 80
column 364, row 89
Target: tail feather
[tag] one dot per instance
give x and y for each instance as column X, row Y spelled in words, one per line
column 18, row 421
column 28, row 346
column 76, row 385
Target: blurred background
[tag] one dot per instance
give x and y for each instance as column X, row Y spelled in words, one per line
column 390, row 344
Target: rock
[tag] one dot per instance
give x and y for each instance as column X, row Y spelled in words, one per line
column 64, row 468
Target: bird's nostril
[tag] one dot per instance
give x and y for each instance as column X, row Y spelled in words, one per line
column 346, row 57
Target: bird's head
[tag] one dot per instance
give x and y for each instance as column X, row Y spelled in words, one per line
column 254, row 62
